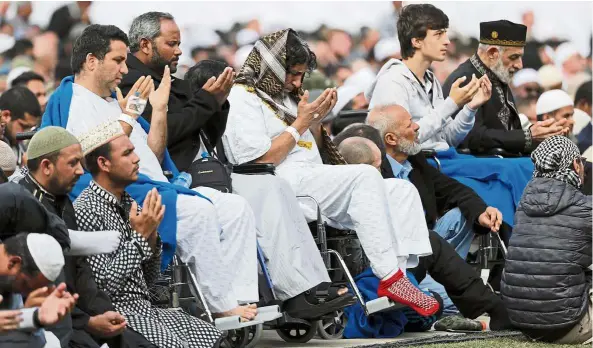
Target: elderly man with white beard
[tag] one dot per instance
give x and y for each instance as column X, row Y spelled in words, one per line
column 497, row 123
column 452, row 210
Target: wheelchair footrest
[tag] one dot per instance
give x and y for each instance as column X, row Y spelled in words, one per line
column 234, row 323
column 268, row 313
column 382, row 304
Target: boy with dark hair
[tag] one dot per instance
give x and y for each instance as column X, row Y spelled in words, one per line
column 422, row 32
column 20, row 112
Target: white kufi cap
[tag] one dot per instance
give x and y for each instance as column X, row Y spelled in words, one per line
column 47, row 254
column 552, row 100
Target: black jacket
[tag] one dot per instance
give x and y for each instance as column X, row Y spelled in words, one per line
column 440, row 193
column 21, row 212
column 188, row 113
column 546, row 280
column 488, row 131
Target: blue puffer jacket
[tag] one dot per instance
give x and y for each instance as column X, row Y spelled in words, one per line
column 546, row 279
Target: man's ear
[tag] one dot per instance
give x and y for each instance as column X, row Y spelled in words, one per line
column 5, row 116
column 390, row 139
column 416, row 43
column 46, row 166
column 14, row 262
column 146, row 46
column 91, row 62
column 104, row 164
column 577, row 165
column 493, row 53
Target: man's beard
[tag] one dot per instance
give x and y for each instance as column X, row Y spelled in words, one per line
column 7, row 284
column 158, row 62
column 501, row 72
column 408, row 147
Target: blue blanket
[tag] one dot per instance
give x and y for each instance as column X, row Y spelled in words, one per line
column 56, row 114
column 499, row 182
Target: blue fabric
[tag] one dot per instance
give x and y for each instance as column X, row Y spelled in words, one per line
column 499, row 182
column 56, row 114
column 380, row 325
column 400, row 171
column 384, row 324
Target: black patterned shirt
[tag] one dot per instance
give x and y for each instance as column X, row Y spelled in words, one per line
column 127, row 273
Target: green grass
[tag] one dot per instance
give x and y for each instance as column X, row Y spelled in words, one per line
column 498, row 343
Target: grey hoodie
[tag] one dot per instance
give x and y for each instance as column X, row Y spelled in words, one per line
column 396, row 84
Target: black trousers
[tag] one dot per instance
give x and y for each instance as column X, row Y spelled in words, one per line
column 128, row 339
column 462, row 283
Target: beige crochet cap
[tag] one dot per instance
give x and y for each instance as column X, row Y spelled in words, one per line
column 48, row 140
column 99, row 136
column 7, row 158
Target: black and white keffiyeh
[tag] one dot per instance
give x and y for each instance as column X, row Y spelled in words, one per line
column 554, row 158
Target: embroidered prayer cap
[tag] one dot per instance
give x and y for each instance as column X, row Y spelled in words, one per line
column 47, row 254
column 552, row 100
column 503, row 33
column 7, row 158
column 99, row 136
column 48, row 140
column 554, row 158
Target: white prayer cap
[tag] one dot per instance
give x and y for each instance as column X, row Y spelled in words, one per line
column 581, row 120
column 353, row 86
column 99, row 136
column 241, row 56
column 524, row 76
column 7, row 158
column 6, row 42
column 549, row 76
column 204, row 38
column 246, row 37
column 552, row 100
column 386, row 48
column 14, row 73
column 564, row 52
column 47, row 254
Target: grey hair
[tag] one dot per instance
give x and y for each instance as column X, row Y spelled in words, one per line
column 380, row 120
column 484, row 47
column 357, row 150
column 146, row 26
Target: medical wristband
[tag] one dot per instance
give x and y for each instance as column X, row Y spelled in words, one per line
column 295, row 133
column 127, row 119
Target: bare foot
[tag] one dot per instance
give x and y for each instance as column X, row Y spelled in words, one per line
column 246, row 312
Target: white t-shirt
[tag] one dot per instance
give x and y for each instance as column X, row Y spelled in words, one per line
column 88, row 110
column 252, row 125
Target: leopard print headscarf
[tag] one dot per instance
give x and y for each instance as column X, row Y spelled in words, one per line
column 265, row 72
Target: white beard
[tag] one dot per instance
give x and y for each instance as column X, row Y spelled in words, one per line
column 501, row 72
column 410, row 148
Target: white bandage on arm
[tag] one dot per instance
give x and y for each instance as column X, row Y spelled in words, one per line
column 295, row 133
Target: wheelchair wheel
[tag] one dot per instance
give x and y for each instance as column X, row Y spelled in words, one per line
column 254, row 335
column 332, row 328
column 235, row 338
column 297, row 332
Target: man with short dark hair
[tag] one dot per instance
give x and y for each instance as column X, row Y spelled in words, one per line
column 53, row 167
column 497, row 123
column 154, row 44
column 20, row 111
column 582, row 101
column 127, row 273
column 36, row 84
column 422, row 32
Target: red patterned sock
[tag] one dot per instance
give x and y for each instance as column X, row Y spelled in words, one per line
column 399, row 289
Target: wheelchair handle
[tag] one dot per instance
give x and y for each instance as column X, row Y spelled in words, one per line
column 25, row 135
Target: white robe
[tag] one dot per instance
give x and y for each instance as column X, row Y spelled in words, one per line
column 386, row 214
column 218, row 239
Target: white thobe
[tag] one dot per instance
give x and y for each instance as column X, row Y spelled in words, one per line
column 386, row 214
column 217, row 239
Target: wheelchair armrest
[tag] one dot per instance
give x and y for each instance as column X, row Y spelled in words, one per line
column 255, row 168
column 168, row 174
column 429, row 153
column 498, row 152
column 464, row 151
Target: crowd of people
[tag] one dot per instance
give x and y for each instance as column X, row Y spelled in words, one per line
column 112, row 186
